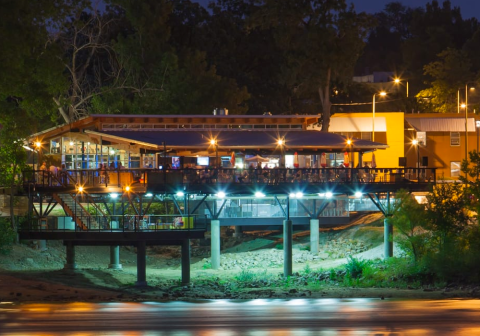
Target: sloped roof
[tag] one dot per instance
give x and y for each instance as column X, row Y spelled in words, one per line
column 240, row 139
column 441, row 124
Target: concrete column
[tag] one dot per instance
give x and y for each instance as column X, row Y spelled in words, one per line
column 115, row 258
column 287, row 248
column 388, row 237
column 238, row 231
column 42, row 245
column 186, row 262
column 215, row 243
column 70, row 262
column 141, row 264
column 314, row 235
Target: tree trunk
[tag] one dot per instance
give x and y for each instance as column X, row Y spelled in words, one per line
column 62, row 111
column 324, row 93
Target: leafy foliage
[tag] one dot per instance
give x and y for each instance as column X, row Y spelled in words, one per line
column 355, row 267
column 409, row 219
column 7, row 235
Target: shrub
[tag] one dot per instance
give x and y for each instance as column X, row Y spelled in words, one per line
column 354, row 267
column 7, row 235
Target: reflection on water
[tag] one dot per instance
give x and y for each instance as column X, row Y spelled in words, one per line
column 261, row 317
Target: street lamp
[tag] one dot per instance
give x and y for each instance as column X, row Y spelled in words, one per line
column 281, row 143
column 417, row 144
column 477, row 126
column 465, row 106
column 214, row 143
column 382, row 94
column 398, row 81
column 38, row 146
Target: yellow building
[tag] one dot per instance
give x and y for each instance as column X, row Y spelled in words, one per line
column 441, row 139
column 386, row 127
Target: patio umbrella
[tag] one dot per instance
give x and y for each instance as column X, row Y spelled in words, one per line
column 346, row 159
column 257, row 158
column 323, row 160
column 295, row 160
column 232, row 159
column 374, row 162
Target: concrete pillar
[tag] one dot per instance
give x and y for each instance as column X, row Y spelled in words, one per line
column 70, row 262
column 314, row 235
column 115, row 258
column 141, row 264
column 42, row 245
column 238, row 231
column 287, row 248
column 215, row 243
column 388, row 237
column 186, row 262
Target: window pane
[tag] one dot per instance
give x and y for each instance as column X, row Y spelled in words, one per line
column 455, row 168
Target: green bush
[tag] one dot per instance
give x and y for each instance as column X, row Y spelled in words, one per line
column 7, row 235
column 354, row 267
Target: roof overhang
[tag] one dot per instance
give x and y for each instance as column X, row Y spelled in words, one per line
column 441, row 124
column 182, row 139
column 357, row 124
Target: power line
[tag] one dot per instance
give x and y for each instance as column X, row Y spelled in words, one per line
column 369, row 103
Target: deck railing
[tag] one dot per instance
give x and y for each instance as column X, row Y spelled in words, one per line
column 223, row 176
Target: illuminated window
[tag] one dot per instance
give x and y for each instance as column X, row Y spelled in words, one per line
column 455, row 168
column 454, row 139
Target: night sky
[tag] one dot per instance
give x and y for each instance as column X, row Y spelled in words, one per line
column 469, row 8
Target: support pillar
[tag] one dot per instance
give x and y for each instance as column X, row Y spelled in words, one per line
column 388, row 237
column 115, row 258
column 70, row 262
column 186, row 262
column 215, row 243
column 314, row 235
column 287, row 248
column 238, row 231
column 42, row 245
column 141, row 264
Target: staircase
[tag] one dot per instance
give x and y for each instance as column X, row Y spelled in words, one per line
column 74, row 209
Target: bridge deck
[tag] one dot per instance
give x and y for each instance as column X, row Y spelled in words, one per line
column 236, row 181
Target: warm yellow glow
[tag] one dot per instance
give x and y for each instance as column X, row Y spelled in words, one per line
column 280, row 142
column 213, row 142
column 38, row 144
column 472, row 89
column 349, row 142
column 397, row 80
column 127, row 188
column 383, row 93
column 463, row 105
column 71, row 143
column 415, row 142
column 80, row 189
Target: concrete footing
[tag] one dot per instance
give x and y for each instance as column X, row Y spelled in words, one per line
column 115, row 258
column 287, row 248
column 314, row 235
column 388, row 237
column 70, row 262
column 186, row 262
column 215, row 243
column 141, row 264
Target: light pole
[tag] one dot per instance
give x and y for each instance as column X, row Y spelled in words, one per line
column 398, row 81
column 465, row 105
column 38, row 146
column 281, row 143
column 417, row 144
column 214, row 143
column 477, row 124
column 382, row 94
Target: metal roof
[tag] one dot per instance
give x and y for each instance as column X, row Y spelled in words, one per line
column 441, row 124
column 239, row 139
